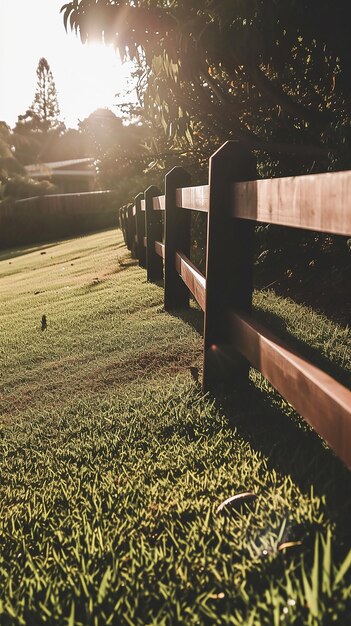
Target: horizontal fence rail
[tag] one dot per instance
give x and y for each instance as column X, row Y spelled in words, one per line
column 234, row 201
column 319, row 202
column 194, row 198
column 158, row 203
column 194, row 280
column 323, row 402
column 160, row 249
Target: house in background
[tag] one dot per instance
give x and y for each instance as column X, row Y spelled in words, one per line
column 73, row 176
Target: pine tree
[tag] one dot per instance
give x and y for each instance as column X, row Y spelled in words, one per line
column 43, row 114
column 45, row 104
column 37, row 130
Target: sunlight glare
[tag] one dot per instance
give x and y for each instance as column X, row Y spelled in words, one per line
column 97, row 78
column 87, row 77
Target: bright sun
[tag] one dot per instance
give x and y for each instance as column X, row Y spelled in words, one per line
column 96, row 78
column 86, row 76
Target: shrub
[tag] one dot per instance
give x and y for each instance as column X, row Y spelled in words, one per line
column 19, row 187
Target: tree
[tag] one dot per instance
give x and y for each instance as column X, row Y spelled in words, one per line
column 272, row 74
column 119, row 149
column 9, row 165
column 39, row 127
column 102, row 130
column 45, row 110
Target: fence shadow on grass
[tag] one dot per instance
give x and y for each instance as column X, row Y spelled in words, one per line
column 192, row 316
column 291, row 448
column 289, row 444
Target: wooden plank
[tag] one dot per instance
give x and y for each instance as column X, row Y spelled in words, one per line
column 128, row 223
column 194, row 280
column 322, row 401
column 124, row 223
column 124, row 213
column 140, row 230
column 131, row 230
column 228, row 269
column 143, row 205
column 320, row 202
column 134, row 211
column 145, row 241
column 158, row 203
column 160, row 249
column 154, row 264
column 177, row 239
column 194, row 198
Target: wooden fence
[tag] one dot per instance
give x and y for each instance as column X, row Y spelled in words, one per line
column 49, row 217
column 234, row 202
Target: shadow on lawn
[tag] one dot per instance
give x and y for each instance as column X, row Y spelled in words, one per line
column 292, row 448
column 192, row 316
column 290, row 445
column 11, row 253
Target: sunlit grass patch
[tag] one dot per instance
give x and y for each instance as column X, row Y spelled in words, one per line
column 113, row 465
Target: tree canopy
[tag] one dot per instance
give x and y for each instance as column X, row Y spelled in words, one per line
column 274, row 75
column 119, row 149
column 9, row 166
column 38, row 128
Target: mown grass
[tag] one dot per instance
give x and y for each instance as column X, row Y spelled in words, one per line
column 113, row 463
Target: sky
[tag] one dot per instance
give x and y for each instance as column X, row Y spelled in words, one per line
column 86, row 76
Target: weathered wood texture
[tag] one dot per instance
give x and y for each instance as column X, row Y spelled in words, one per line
column 229, row 266
column 177, row 239
column 143, row 205
column 194, row 198
column 158, row 203
column 321, row 400
column 193, row 279
column 320, row 202
column 154, row 263
column 140, row 230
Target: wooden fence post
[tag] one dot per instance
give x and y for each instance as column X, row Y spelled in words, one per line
column 177, row 239
column 131, row 230
column 154, row 263
column 123, row 224
column 140, row 230
column 229, row 266
column 126, row 226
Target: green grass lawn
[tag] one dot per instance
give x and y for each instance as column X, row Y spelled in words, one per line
column 113, row 463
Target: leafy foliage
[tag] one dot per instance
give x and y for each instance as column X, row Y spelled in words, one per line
column 272, row 74
column 120, row 151
column 18, row 187
column 8, row 163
